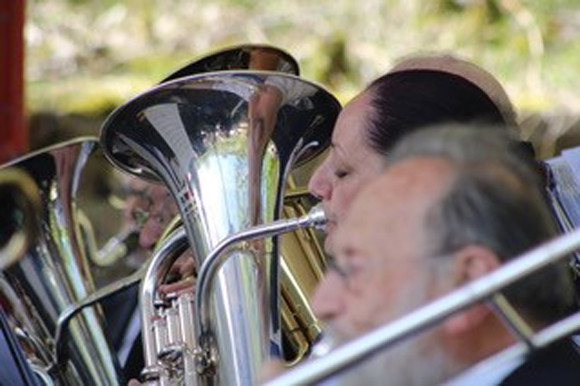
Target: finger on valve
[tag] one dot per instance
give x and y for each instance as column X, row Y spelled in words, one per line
column 182, row 275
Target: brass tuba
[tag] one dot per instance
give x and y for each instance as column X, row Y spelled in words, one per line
column 302, row 258
column 224, row 143
column 52, row 274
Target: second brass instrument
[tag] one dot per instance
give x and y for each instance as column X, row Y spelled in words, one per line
column 53, row 274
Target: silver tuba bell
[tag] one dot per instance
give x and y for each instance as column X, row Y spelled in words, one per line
column 53, row 274
column 302, row 260
column 224, row 143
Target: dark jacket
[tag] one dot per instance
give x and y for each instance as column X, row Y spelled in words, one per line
column 557, row 365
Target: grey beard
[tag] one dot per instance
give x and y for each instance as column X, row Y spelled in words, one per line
column 417, row 362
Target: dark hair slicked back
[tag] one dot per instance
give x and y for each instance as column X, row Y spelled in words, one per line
column 405, row 101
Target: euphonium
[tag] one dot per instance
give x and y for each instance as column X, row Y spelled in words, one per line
column 302, row 258
column 224, row 143
column 53, row 274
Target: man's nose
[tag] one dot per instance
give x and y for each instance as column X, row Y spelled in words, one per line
column 320, row 185
column 328, row 299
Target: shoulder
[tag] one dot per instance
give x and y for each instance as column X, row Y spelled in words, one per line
column 557, row 364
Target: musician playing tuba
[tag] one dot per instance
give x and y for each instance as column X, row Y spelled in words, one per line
column 440, row 89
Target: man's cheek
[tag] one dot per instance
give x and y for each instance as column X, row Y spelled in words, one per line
column 362, row 316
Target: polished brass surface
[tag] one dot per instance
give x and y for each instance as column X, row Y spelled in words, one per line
column 302, row 261
column 53, row 274
column 224, row 143
column 302, row 266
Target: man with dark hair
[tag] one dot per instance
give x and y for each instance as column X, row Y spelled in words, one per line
column 453, row 204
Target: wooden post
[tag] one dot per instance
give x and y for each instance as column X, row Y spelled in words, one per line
column 13, row 127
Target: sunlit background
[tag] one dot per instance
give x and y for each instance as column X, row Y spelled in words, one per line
column 84, row 57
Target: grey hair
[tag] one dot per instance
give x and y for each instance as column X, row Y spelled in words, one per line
column 495, row 200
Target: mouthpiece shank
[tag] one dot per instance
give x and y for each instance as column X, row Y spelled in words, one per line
column 315, row 218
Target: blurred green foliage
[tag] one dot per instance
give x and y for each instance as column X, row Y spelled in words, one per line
column 87, row 56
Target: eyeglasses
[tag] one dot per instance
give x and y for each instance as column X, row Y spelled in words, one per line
column 140, row 216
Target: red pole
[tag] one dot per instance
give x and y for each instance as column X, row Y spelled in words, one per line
column 13, row 127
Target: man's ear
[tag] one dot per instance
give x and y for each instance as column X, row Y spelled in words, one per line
column 470, row 263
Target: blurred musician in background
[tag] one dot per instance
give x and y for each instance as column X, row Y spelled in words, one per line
column 453, row 204
column 148, row 208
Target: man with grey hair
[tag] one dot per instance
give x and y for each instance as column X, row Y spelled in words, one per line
column 452, row 205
